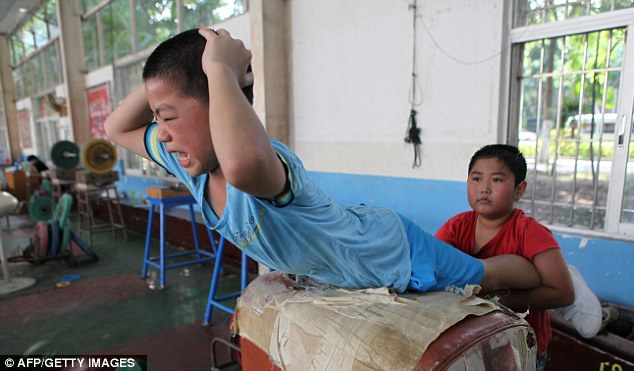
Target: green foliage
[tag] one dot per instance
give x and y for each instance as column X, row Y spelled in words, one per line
column 568, row 149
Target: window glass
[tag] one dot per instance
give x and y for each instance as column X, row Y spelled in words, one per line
column 40, row 29
column 155, row 22
column 568, row 99
column 199, row 13
column 38, row 72
column 28, row 40
column 35, row 33
column 126, row 79
column 51, row 19
column 27, row 78
column 531, row 12
column 17, row 49
column 117, row 34
column 627, row 207
column 88, row 5
column 18, row 82
column 91, row 43
column 52, row 68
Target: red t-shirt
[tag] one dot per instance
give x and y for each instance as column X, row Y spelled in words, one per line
column 520, row 235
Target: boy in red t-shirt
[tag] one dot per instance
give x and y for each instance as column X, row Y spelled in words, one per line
column 496, row 180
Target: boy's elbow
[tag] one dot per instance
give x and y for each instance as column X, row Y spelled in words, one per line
column 239, row 173
column 247, row 174
column 109, row 128
column 113, row 129
column 568, row 297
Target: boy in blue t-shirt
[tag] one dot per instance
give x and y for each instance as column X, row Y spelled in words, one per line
column 193, row 116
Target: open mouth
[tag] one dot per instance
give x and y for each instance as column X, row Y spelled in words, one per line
column 183, row 159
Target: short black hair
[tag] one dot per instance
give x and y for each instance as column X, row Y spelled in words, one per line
column 32, row 157
column 178, row 60
column 509, row 155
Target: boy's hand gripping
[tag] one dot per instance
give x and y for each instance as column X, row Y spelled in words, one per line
column 222, row 49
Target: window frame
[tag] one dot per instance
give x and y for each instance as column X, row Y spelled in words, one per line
column 623, row 18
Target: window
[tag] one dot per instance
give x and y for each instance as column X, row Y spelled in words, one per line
column 91, row 43
column 127, row 78
column 34, row 56
column 546, row 11
column 203, row 12
column 52, row 67
column 38, row 72
column 27, row 78
column 35, row 33
column 89, row 5
column 155, row 23
column 116, row 30
column 572, row 111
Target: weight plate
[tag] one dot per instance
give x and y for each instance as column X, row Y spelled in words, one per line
column 83, row 246
column 41, row 209
column 41, row 241
column 99, row 156
column 62, row 209
column 54, row 236
column 65, row 154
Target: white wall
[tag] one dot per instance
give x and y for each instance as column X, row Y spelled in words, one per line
column 351, row 65
column 239, row 27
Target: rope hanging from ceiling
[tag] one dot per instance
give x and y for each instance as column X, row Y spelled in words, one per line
column 412, row 135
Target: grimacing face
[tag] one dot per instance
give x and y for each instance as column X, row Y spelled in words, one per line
column 183, row 126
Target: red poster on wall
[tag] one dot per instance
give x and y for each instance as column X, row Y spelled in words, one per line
column 98, row 109
column 24, row 123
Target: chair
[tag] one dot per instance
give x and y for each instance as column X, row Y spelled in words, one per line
column 214, row 301
column 160, row 262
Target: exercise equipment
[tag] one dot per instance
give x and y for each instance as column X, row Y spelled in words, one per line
column 8, row 204
column 41, row 242
column 41, row 208
column 41, row 203
column 97, row 184
column 99, row 156
column 65, row 154
column 52, row 239
column 60, row 224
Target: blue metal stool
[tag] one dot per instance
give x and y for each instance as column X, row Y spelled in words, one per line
column 214, row 301
column 201, row 255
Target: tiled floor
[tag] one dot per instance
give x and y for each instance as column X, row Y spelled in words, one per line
column 110, row 310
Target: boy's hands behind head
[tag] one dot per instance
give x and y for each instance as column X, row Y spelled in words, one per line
column 222, row 49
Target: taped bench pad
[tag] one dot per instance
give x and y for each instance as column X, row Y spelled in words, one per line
column 346, row 329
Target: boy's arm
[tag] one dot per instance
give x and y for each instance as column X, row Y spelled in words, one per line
column 556, row 289
column 126, row 124
column 242, row 146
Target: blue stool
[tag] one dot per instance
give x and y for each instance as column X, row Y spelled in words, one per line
column 201, row 255
column 214, row 301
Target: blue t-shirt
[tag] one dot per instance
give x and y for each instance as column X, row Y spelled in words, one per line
column 304, row 231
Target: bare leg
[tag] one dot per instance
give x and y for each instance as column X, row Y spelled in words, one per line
column 509, row 271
